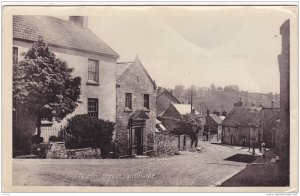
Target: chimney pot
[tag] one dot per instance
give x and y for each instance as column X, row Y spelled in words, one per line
column 79, row 20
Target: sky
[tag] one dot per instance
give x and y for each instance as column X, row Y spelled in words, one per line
column 197, row 45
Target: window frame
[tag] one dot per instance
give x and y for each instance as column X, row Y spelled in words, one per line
column 93, row 113
column 128, row 100
column 93, row 74
column 147, row 101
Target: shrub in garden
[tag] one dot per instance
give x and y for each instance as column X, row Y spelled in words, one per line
column 84, row 131
column 40, row 150
column 36, row 139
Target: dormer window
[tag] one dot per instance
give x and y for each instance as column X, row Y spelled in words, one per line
column 93, row 71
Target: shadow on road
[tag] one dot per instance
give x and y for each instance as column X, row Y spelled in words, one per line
column 242, row 158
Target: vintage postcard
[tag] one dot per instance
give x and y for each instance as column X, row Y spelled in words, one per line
column 150, row 98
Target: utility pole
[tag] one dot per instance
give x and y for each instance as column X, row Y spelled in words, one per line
column 191, row 100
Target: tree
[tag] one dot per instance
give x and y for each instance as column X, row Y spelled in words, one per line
column 190, row 125
column 179, row 91
column 270, row 95
column 220, row 88
column 216, row 112
column 43, row 84
column 213, row 87
column 224, row 113
column 232, row 89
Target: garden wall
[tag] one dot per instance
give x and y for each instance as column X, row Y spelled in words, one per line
column 166, row 144
column 59, row 151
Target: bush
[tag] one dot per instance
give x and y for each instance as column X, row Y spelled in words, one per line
column 83, row 131
column 40, row 150
column 115, row 150
column 36, row 139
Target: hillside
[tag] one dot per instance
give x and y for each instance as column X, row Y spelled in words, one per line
column 223, row 101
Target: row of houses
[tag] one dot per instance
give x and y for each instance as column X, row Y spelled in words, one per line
column 253, row 125
column 121, row 92
column 124, row 92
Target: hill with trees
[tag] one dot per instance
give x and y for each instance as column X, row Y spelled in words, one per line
column 222, row 99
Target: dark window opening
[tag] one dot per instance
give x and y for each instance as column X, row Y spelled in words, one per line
column 128, row 100
column 146, row 101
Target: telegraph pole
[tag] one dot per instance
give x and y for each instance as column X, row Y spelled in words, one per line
column 191, row 100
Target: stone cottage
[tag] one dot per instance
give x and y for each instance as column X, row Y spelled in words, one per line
column 136, row 109
column 164, row 99
column 213, row 124
column 241, row 123
column 72, row 41
column 177, row 114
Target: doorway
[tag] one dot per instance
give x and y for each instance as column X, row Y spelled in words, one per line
column 138, row 131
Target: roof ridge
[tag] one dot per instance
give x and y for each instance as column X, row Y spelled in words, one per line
column 59, row 33
column 125, row 62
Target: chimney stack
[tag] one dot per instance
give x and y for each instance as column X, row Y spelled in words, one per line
column 81, row 21
column 207, row 112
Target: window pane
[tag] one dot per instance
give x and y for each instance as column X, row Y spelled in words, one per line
column 93, row 70
column 93, row 107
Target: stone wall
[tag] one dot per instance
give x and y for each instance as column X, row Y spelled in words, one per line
column 166, row 145
column 138, row 87
column 59, row 151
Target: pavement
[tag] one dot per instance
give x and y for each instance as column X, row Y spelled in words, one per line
column 261, row 172
column 207, row 168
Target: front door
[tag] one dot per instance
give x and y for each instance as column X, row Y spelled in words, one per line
column 139, row 140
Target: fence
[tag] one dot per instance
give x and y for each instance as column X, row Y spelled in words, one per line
column 46, row 132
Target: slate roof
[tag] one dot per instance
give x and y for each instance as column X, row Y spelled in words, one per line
column 216, row 118
column 171, row 96
column 60, row 33
column 242, row 116
column 183, row 108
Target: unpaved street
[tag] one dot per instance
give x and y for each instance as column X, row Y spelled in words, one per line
column 207, row 168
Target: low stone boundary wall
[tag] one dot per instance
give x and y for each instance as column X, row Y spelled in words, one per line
column 59, row 151
column 166, row 144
